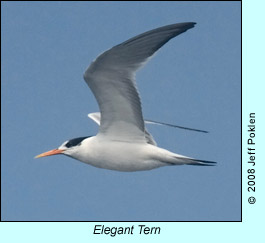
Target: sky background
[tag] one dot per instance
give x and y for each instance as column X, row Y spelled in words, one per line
column 194, row 80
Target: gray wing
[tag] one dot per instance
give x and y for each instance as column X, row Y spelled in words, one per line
column 111, row 77
column 95, row 116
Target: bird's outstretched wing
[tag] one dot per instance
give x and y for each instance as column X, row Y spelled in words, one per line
column 111, row 77
column 95, row 116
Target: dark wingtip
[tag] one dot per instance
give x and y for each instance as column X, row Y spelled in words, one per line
column 176, row 126
column 203, row 162
column 190, row 24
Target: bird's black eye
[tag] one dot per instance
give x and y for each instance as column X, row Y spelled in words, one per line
column 75, row 142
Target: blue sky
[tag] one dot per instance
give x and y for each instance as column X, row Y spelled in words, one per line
column 194, row 81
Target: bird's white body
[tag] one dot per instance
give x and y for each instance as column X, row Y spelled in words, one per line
column 123, row 156
column 123, row 143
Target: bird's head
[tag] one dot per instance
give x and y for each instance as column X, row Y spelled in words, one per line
column 69, row 148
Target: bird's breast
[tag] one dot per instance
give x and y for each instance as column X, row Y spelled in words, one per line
column 118, row 155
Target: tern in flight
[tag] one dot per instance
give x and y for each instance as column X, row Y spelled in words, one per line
column 123, row 143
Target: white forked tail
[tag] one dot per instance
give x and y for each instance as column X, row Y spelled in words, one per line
column 170, row 158
column 179, row 159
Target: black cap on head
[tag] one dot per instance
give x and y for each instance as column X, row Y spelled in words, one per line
column 75, row 142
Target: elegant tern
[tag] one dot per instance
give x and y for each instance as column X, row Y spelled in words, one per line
column 123, row 143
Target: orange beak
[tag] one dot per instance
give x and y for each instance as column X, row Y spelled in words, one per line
column 49, row 153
